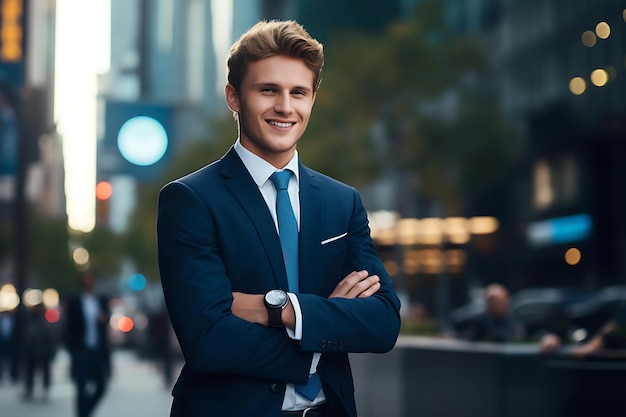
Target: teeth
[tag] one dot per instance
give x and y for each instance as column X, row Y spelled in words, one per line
column 279, row 124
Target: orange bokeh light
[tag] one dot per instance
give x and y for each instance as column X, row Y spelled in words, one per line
column 103, row 190
column 125, row 324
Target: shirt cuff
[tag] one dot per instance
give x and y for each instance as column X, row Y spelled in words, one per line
column 296, row 333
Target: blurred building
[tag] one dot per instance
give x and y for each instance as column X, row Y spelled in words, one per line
column 31, row 162
column 168, row 65
column 559, row 72
column 26, row 79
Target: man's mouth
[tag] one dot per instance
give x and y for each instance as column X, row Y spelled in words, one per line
column 280, row 124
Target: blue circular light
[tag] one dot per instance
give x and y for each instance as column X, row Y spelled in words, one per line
column 142, row 140
column 137, row 282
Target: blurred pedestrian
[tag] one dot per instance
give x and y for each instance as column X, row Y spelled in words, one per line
column 8, row 368
column 87, row 340
column 497, row 324
column 38, row 350
column 161, row 335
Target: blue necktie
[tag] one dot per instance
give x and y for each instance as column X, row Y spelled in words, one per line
column 287, row 227
column 288, row 233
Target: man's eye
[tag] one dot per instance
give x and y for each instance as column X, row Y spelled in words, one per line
column 268, row 90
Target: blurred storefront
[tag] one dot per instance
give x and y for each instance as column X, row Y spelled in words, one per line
column 563, row 81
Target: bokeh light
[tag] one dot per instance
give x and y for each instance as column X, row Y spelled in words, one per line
column 125, row 324
column 52, row 315
column 603, row 30
column 32, row 297
column 50, row 298
column 9, row 300
column 137, row 282
column 80, row 256
column 599, row 77
column 588, row 38
column 573, row 256
column 104, row 190
column 483, row 225
column 577, row 86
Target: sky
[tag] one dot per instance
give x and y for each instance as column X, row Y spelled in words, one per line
column 82, row 52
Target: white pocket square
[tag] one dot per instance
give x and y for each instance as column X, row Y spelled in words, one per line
column 332, row 239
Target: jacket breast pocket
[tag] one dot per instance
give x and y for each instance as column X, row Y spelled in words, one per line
column 335, row 243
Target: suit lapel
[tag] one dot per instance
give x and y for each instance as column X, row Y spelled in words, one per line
column 244, row 189
column 311, row 210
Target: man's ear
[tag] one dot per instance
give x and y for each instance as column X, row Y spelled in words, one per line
column 232, row 98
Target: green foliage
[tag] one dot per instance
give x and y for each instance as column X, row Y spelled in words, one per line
column 420, row 327
column 106, row 251
column 48, row 255
column 410, row 102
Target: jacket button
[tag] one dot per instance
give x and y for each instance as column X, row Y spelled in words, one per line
column 276, row 387
column 323, row 344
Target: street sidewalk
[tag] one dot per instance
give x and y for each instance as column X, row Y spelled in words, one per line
column 136, row 389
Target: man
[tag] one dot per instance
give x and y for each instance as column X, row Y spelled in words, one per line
column 230, row 248
column 498, row 326
column 87, row 320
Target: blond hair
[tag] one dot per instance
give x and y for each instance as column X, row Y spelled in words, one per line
column 270, row 38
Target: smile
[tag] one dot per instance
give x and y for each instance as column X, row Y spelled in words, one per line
column 280, row 124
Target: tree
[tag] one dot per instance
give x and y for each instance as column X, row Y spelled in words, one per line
column 49, row 258
column 409, row 104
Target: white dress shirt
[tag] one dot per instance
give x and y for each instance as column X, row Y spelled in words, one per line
column 261, row 170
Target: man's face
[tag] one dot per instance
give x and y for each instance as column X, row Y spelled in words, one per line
column 274, row 106
column 498, row 305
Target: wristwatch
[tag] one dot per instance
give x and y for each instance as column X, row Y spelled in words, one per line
column 275, row 301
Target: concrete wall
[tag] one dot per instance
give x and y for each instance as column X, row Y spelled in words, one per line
column 424, row 377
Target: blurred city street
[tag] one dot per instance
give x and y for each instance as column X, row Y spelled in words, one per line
column 136, row 389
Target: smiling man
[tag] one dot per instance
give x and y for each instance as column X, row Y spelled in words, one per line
column 268, row 269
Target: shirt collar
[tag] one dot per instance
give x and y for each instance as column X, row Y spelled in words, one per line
column 260, row 169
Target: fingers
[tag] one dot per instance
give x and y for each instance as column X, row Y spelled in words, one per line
column 373, row 289
column 357, row 284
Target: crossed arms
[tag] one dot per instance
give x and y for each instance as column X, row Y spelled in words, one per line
column 250, row 307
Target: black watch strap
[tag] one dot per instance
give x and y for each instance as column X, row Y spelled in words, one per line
column 275, row 318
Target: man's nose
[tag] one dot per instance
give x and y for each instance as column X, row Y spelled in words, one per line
column 283, row 103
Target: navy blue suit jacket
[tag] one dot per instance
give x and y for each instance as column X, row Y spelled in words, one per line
column 216, row 236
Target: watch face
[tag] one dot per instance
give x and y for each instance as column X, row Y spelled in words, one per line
column 276, row 297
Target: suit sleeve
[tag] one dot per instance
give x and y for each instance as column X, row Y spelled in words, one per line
column 369, row 324
column 199, row 297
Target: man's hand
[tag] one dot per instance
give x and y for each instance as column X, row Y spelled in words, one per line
column 549, row 343
column 357, row 284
